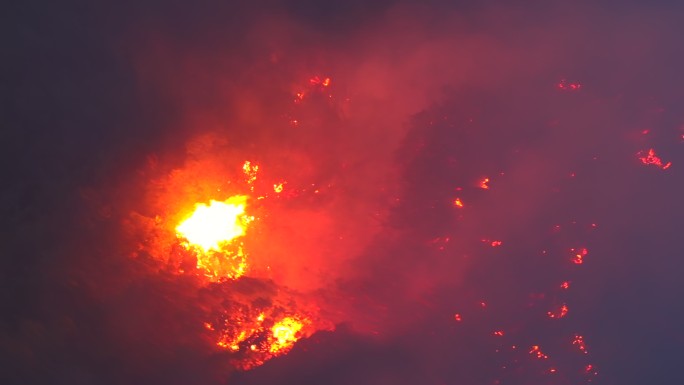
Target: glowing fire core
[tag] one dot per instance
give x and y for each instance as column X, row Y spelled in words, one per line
column 211, row 231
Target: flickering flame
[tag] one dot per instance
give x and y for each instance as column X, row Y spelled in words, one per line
column 252, row 335
column 210, row 226
column 285, row 333
column 211, row 231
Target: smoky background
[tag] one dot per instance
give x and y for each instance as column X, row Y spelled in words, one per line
column 98, row 100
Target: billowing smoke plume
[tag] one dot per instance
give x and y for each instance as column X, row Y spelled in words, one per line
column 439, row 184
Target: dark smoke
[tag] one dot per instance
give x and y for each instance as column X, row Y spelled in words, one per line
column 107, row 110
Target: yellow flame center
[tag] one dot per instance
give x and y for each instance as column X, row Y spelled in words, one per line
column 211, row 226
column 285, row 334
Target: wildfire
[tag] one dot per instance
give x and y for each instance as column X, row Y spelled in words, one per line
column 568, row 86
column 284, row 334
column 578, row 341
column 578, row 255
column 211, row 231
column 560, row 313
column 536, row 352
column 254, row 340
column 251, row 171
column 649, row 157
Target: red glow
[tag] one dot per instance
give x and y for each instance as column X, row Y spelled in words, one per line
column 317, row 81
column 578, row 341
column 484, row 184
column 649, row 157
column 568, row 86
column 458, row 203
column 578, row 255
column 565, row 285
column 458, row 317
column 589, row 369
column 496, row 243
column 499, row 333
column 560, row 313
column 536, row 352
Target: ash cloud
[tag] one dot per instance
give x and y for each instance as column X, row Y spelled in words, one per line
column 112, row 109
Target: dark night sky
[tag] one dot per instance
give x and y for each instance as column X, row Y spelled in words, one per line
column 429, row 97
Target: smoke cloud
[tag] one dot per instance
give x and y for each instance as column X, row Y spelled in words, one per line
column 120, row 118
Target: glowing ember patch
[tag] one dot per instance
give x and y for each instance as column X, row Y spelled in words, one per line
column 589, row 369
column 458, row 203
column 568, row 86
column 579, row 254
column 536, row 352
column 560, row 313
column 278, row 188
column 565, row 285
column 458, row 317
column 284, row 334
column 496, row 243
column 317, row 81
column 578, row 341
column 250, row 171
column 484, row 184
column 650, row 158
column 499, row 333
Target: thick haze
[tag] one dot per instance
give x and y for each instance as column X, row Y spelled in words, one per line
column 113, row 117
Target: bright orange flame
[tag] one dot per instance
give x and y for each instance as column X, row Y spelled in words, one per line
column 458, row 203
column 285, row 333
column 211, row 225
column 211, row 231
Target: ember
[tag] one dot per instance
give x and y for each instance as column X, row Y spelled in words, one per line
column 650, row 158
